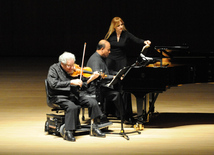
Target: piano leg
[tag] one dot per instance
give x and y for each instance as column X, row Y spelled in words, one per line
column 152, row 99
column 140, row 100
column 142, row 110
column 145, row 105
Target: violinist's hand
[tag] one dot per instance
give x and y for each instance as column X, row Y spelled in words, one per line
column 76, row 82
column 93, row 77
column 147, row 42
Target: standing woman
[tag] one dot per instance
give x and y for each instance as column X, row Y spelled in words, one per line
column 118, row 36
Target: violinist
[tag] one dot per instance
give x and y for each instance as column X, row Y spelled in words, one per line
column 64, row 92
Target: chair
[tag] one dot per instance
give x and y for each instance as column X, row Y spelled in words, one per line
column 52, row 105
column 54, row 123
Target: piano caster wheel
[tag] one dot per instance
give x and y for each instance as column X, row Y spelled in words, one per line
column 139, row 127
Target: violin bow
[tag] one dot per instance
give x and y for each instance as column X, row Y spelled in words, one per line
column 83, row 55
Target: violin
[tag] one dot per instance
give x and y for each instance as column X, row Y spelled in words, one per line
column 85, row 72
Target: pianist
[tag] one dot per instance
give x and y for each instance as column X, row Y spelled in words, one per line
column 97, row 63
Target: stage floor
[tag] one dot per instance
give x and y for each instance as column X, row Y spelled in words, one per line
column 183, row 122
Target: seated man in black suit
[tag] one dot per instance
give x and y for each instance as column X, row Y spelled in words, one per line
column 64, row 92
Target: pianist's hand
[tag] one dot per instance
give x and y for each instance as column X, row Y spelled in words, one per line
column 93, row 77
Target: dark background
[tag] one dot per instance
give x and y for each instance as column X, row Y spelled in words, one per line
column 49, row 27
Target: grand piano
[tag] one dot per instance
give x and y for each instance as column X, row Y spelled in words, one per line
column 175, row 65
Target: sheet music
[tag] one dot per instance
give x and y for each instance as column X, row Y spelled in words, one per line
column 118, row 76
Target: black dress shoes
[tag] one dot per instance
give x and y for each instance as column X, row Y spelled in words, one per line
column 103, row 119
column 69, row 136
column 97, row 132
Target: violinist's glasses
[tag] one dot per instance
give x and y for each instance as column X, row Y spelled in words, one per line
column 69, row 66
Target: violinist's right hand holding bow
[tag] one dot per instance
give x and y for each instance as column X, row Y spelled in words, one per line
column 76, row 82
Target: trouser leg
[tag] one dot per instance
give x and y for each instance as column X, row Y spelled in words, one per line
column 93, row 107
column 115, row 97
column 71, row 115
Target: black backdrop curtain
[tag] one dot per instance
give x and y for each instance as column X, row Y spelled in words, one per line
column 49, row 27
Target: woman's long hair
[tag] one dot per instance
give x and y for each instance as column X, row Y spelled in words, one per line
column 114, row 23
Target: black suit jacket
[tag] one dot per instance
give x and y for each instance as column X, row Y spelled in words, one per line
column 59, row 85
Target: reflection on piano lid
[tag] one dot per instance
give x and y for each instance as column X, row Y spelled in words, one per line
column 201, row 62
column 171, row 48
column 166, row 51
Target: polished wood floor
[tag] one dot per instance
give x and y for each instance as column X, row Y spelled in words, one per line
column 183, row 122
